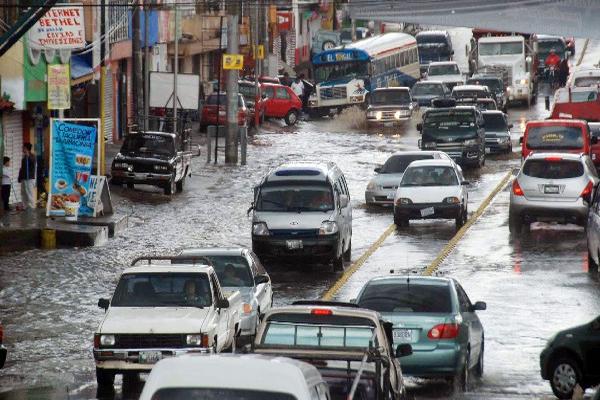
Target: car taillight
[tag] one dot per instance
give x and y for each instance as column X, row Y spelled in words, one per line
column 587, row 192
column 321, row 311
column 443, row 331
column 553, row 159
column 516, row 188
column 96, row 340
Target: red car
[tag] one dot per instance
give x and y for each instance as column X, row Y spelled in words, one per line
column 557, row 135
column 211, row 112
column 254, row 100
column 281, row 102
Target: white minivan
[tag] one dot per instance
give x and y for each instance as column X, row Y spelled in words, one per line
column 302, row 210
column 232, row 377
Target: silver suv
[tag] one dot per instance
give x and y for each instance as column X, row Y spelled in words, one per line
column 552, row 187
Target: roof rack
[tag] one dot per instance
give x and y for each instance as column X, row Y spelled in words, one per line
column 193, row 259
column 324, row 303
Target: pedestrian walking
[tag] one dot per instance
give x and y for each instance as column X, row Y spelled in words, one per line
column 6, row 183
column 298, row 87
column 563, row 72
column 27, row 177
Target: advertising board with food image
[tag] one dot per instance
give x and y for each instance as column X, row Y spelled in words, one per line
column 72, row 152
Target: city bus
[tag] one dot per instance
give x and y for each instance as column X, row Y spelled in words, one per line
column 345, row 75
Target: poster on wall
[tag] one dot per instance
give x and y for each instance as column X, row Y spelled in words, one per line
column 59, row 87
column 62, row 27
column 72, row 146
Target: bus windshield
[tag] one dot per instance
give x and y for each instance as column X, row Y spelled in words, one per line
column 350, row 69
column 500, row 49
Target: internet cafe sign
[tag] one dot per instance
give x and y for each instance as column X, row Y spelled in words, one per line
column 62, row 27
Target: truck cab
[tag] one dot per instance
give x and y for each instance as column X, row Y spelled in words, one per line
column 433, row 46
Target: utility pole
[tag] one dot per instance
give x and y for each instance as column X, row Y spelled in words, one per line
column 138, row 73
column 231, row 138
column 176, row 67
column 265, row 66
column 146, row 68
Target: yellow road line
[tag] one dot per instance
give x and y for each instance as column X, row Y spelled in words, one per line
column 585, row 45
column 332, row 291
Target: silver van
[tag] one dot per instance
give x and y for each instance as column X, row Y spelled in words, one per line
column 302, row 210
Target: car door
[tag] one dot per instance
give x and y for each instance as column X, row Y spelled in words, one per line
column 470, row 322
column 590, row 348
column 264, row 291
column 282, row 101
column 223, row 324
column 347, row 210
column 269, row 104
column 593, row 228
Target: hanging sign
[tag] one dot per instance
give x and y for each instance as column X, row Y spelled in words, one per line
column 62, row 27
column 233, row 61
column 59, row 87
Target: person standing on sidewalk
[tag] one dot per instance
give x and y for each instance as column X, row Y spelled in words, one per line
column 27, row 177
column 6, row 182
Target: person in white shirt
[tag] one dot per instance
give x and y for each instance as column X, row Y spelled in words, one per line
column 298, row 87
column 6, row 182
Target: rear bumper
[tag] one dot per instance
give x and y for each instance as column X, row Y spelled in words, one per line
column 441, row 211
column 314, row 248
column 128, row 359
column 434, row 363
column 380, row 197
column 558, row 211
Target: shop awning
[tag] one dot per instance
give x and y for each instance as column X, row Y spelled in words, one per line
column 81, row 68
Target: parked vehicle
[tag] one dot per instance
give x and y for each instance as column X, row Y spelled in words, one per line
column 303, row 210
column 424, row 91
column 595, row 133
column 495, row 85
column 3, row 351
column 214, row 111
column 469, row 94
column 571, row 358
column 446, row 72
column 435, row 316
column 382, row 187
column 281, row 102
column 348, row 345
column 431, row 189
column 390, row 107
column 552, row 187
column 556, row 135
column 458, row 131
column 433, row 46
column 234, row 377
column 345, row 75
column 254, row 99
column 160, row 311
column 497, row 132
column 154, row 158
column 239, row 269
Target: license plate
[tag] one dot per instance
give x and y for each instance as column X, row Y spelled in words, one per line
column 388, row 124
column 149, row 357
column 293, row 244
column 488, row 150
column 403, row 335
column 551, row 189
column 425, row 212
column 391, row 196
column 333, row 111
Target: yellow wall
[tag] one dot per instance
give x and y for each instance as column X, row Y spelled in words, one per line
column 11, row 75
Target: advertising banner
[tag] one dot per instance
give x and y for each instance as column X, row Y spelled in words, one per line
column 59, row 87
column 233, row 61
column 62, row 27
column 71, row 155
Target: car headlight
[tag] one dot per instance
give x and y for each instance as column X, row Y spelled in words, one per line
column 371, row 186
column 196, row 340
column 503, row 139
column 107, row 340
column 452, row 200
column 328, row 228
column 378, row 115
column 356, row 99
column 371, row 114
column 160, row 167
column 429, row 145
column 403, row 200
column 470, row 142
column 398, row 114
column 247, row 308
column 523, row 81
column 260, row 229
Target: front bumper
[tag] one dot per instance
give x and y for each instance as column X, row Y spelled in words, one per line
column 446, row 360
column 544, row 363
column 441, row 211
column 380, row 197
column 248, row 324
column 387, row 122
column 556, row 211
column 148, row 178
column 518, row 92
column 129, row 359
column 316, row 248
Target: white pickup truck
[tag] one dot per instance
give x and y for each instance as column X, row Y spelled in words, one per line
column 160, row 311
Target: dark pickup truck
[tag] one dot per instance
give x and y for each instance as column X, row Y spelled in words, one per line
column 153, row 158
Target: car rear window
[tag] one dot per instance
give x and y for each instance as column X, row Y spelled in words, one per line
column 545, row 169
column 398, row 164
column 407, row 297
column 554, row 137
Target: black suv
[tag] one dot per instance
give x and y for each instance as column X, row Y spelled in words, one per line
column 572, row 357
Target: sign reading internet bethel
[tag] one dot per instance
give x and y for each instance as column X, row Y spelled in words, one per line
column 62, row 27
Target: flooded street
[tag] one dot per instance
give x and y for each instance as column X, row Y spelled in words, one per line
column 533, row 286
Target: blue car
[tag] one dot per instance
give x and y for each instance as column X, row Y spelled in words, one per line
column 435, row 316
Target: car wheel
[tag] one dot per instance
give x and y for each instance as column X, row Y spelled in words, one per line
column 105, row 378
column 515, row 224
column 400, row 221
column 461, row 219
column 348, row 252
column 479, row 366
column 461, row 380
column 130, row 185
column 115, row 182
column 565, row 375
column 170, row 186
column 338, row 262
column 291, row 117
column 592, row 266
column 180, row 185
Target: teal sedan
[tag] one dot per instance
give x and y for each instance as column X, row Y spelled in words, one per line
column 435, row 316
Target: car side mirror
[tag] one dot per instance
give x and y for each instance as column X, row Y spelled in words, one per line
column 521, row 140
column 403, row 350
column 465, row 183
column 510, row 126
column 419, row 126
column 479, row 306
column 260, row 279
column 222, row 303
column 104, row 303
column 452, row 52
column 378, row 170
column 594, row 139
column 344, row 200
column 263, row 96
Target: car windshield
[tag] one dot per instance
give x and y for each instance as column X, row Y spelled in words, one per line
column 450, row 119
column 309, row 197
column 554, row 169
column 493, row 84
column 222, row 98
column 183, row 393
column 487, row 104
column 162, row 290
column 382, row 97
column 398, row 164
column 353, row 69
column 148, row 143
column 429, row 176
column 233, row 271
column 554, row 137
column 500, row 49
column 495, row 122
column 544, row 46
column 281, row 333
column 427, row 89
column 407, row 297
column 448, row 69
column 470, row 94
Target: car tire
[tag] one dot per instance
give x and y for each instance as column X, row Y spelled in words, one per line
column 348, row 252
column 115, row 182
column 479, row 366
column 461, row 380
column 515, row 224
column 565, row 374
column 105, row 379
column 401, row 222
column 291, row 117
column 170, row 186
column 130, row 185
column 461, row 219
column 592, row 266
column 179, row 185
column 338, row 262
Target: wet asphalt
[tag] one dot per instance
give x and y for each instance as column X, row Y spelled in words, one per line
column 534, row 286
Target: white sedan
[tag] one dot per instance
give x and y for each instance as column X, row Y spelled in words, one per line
column 431, row 189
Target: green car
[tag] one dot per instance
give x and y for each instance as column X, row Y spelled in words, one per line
column 572, row 357
column 435, row 316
